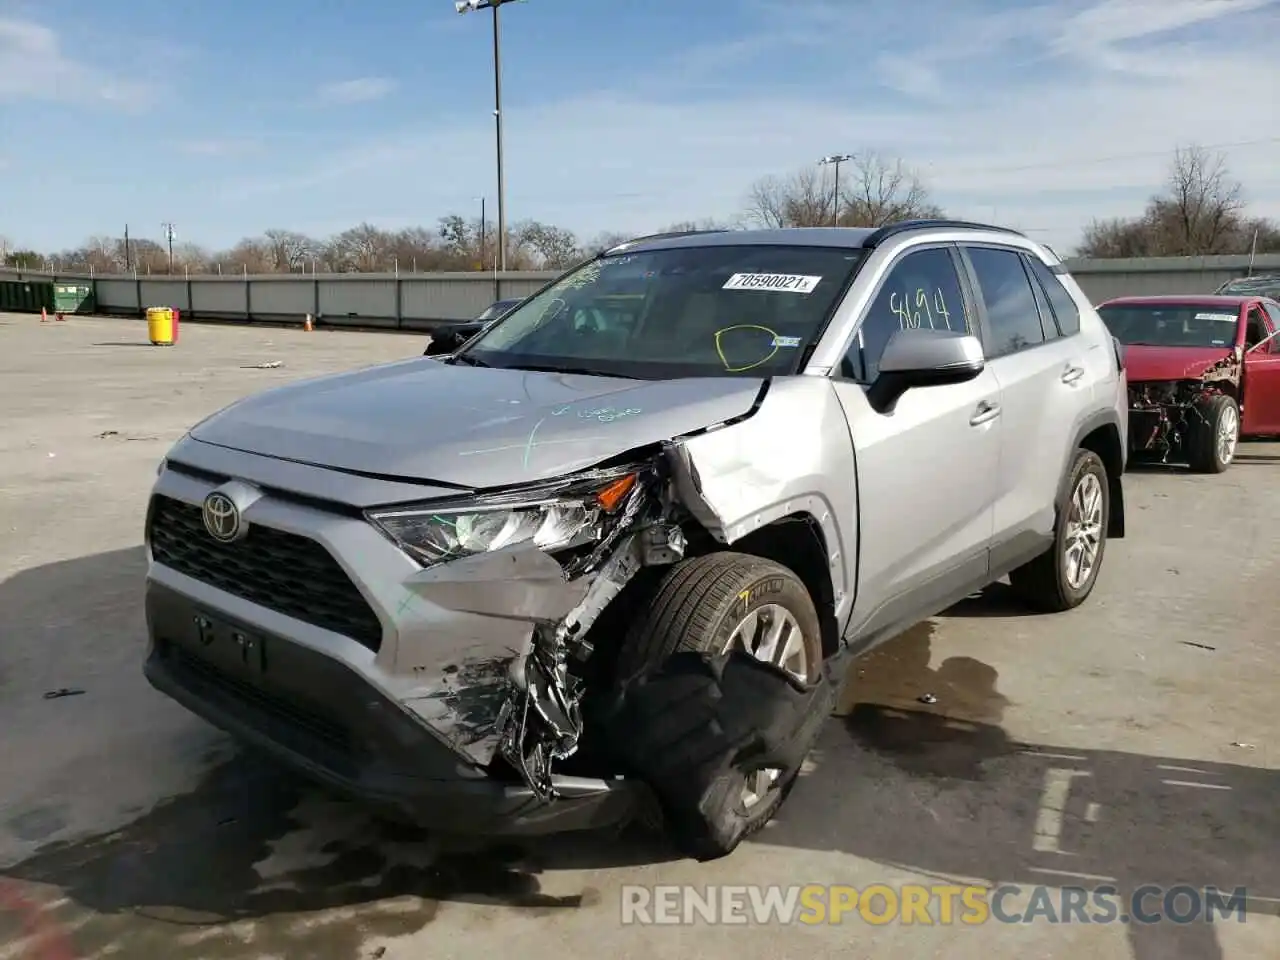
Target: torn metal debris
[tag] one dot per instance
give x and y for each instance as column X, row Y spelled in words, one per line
column 1165, row 412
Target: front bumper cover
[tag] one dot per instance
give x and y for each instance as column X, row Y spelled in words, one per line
column 322, row 719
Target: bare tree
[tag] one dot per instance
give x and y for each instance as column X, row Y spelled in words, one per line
column 604, row 241
column 290, row 250
column 797, row 200
column 878, row 190
column 544, row 247
column 874, row 190
column 1201, row 211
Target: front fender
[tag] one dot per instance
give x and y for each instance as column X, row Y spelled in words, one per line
column 793, row 456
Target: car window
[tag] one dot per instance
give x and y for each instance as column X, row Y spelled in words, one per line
column 920, row 290
column 1064, row 306
column 1273, row 311
column 1013, row 322
column 1048, row 325
column 1255, row 330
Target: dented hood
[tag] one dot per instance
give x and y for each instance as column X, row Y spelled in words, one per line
column 472, row 427
column 1147, row 363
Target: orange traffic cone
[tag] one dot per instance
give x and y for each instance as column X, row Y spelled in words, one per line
column 307, row 325
column 44, row 315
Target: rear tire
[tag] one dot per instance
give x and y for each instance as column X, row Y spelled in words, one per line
column 1063, row 576
column 1214, row 436
column 700, row 606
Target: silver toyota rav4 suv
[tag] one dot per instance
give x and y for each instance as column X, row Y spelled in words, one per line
column 777, row 448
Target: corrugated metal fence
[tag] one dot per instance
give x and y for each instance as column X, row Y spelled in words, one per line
column 411, row 301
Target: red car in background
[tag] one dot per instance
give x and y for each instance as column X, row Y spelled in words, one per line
column 1203, row 372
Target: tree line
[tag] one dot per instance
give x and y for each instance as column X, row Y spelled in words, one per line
column 1200, row 210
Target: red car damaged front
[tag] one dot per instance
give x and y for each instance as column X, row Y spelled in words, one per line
column 1181, row 355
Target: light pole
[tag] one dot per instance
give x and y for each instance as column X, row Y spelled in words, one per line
column 169, row 235
column 484, row 231
column 471, row 6
column 835, row 160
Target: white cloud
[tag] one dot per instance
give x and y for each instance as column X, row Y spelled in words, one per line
column 360, row 90
column 1040, row 117
column 33, row 66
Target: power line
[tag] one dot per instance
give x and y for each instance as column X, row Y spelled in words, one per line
column 1089, row 161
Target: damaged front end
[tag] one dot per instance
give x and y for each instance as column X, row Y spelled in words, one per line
column 566, row 551
column 1164, row 413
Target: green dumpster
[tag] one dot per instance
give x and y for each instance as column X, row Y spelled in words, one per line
column 72, row 298
column 25, row 296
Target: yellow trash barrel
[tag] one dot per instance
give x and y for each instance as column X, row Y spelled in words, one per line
column 160, row 326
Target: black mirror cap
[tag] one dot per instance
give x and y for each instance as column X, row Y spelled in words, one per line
column 887, row 388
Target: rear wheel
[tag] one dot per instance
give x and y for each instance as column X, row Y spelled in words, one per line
column 719, row 603
column 1063, row 576
column 1212, row 440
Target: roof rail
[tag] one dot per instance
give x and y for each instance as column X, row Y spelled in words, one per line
column 669, row 235
column 903, row 226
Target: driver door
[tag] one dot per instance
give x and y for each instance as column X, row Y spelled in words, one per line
column 1261, row 410
column 926, row 471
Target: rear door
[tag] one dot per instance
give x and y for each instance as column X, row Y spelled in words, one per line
column 1045, row 389
column 1261, row 409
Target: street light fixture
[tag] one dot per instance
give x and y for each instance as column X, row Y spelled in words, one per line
column 835, row 160
column 474, row 6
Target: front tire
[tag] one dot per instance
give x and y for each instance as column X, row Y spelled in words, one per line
column 1213, row 438
column 1063, row 576
column 716, row 604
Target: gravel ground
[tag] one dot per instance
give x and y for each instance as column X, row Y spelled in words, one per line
column 1132, row 741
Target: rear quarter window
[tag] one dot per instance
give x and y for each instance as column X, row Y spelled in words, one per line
column 1064, row 306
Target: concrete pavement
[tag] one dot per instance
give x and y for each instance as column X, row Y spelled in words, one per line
column 1132, row 741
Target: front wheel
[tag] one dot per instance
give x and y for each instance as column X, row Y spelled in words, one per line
column 1214, row 435
column 720, row 603
column 1063, row 576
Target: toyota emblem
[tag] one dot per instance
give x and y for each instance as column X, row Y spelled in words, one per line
column 222, row 517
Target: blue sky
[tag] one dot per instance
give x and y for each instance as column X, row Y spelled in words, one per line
column 233, row 118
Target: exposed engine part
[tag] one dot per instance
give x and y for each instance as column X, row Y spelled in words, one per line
column 1166, row 411
column 540, row 721
column 663, row 544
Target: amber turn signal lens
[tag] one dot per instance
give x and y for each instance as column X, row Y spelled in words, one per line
column 616, row 492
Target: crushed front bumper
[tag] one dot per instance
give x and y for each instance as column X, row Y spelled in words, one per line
column 322, row 719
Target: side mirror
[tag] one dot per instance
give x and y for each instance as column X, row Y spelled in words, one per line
column 923, row 358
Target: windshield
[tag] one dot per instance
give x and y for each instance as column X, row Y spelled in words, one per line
column 1252, row 287
column 1172, row 325
column 685, row 312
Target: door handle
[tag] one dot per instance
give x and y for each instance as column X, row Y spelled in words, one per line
column 986, row 412
column 1072, row 373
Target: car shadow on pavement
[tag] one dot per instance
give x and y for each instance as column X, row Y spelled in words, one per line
column 996, row 600
column 955, row 797
column 252, row 861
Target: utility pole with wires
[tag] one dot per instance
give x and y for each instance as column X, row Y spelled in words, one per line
column 835, row 160
column 169, row 234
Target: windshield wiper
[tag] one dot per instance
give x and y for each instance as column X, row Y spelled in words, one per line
column 576, row 371
column 469, row 361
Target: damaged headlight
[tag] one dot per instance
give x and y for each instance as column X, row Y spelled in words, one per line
column 554, row 517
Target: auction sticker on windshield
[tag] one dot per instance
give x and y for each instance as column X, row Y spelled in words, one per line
column 787, row 282
column 1219, row 317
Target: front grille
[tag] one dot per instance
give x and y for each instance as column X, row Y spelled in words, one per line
column 284, row 572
